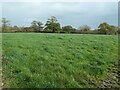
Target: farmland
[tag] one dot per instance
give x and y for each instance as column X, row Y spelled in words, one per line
column 34, row 60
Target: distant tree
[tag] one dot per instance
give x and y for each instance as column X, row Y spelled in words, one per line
column 68, row 28
column 0, row 28
column 37, row 26
column 52, row 25
column 5, row 24
column 27, row 29
column 118, row 30
column 105, row 28
column 84, row 29
column 15, row 28
column 112, row 30
column 21, row 29
column 95, row 31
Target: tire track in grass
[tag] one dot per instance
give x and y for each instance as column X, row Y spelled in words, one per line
column 111, row 80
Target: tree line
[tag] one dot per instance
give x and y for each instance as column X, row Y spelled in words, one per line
column 53, row 26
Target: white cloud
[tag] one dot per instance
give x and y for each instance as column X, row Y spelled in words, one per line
column 59, row 0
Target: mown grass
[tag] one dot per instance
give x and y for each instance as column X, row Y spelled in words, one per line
column 33, row 60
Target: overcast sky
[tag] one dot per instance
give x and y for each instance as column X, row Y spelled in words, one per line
column 67, row 13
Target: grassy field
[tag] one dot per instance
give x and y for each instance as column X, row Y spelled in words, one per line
column 33, row 60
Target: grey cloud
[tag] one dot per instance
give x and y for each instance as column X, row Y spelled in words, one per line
column 76, row 14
